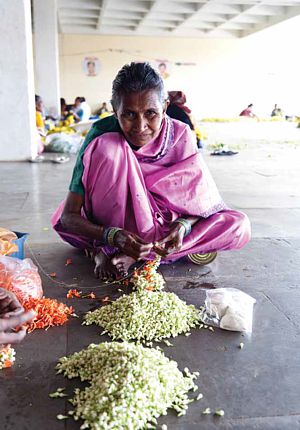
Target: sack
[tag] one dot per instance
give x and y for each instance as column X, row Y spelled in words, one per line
column 63, row 143
column 229, row 309
column 21, row 277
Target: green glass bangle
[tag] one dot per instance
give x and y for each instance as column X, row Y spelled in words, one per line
column 111, row 235
column 186, row 224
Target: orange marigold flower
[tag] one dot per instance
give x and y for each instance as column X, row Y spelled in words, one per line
column 73, row 293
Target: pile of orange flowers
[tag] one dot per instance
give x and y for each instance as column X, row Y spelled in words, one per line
column 49, row 312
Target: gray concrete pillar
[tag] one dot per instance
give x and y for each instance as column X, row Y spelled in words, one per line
column 17, row 109
column 46, row 54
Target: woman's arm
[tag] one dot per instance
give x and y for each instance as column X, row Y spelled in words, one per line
column 73, row 222
column 173, row 241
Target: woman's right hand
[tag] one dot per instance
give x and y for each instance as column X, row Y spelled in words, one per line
column 132, row 245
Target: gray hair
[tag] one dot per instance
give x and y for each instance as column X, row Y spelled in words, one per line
column 134, row 78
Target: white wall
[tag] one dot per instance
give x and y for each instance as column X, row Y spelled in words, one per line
column 262, row 69
column 17, row 111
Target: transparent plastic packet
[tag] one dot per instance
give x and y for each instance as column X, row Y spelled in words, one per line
column 20, row 277
column 229, row 309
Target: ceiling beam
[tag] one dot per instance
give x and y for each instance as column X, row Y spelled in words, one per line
column 189, row 16
column 76, row 4
column 103, row 7
column 145, row 16
column 290, row 12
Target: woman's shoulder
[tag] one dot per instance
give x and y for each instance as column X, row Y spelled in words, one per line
column 101, row 128
column 183, row 140
column 105, row 125
column 180, row 129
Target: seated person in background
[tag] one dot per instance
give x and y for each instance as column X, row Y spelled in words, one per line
column 82, row 110
column 248, row 112
column 39, row 118
column 12, row 315
column 276, row 111
column 178, row 110
column 102, row 109
column 140, row 189
column 40, row 128
column 65, row 109
column 66, row 113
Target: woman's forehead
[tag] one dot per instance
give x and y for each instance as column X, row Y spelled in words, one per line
column 140, row 100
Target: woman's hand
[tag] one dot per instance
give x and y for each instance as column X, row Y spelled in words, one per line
column 12, row 315
column 132, row 245
column 9, row 304
column 171, row 243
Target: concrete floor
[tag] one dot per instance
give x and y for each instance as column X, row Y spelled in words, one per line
column 258, row 387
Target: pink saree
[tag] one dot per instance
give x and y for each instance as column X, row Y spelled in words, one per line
column 144, row 191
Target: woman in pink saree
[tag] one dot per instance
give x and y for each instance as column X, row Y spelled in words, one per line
column 140, row 187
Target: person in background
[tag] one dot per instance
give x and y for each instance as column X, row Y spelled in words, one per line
column 66, row 113
column 248, row 112
column 102, row 109
column 178, row 110
column 276, row 111
column 39, row 117
column 65, row 110
column 40, row 128
column 82, row 110
column 12, row 316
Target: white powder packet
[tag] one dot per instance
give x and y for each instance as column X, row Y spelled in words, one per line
column 229, row 309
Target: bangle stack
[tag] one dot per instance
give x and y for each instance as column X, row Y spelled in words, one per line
column 186, row 224
column 109, row 234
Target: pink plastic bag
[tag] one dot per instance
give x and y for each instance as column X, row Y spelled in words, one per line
column 21, row 277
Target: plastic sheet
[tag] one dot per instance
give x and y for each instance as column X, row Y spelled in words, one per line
column 20, row 277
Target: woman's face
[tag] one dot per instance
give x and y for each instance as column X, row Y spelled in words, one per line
column 140, row 116
column 39, row 105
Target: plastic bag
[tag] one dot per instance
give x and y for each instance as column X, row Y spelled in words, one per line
column 7, row 246
column 20, row 277
column 63, row 142
column 229, row 309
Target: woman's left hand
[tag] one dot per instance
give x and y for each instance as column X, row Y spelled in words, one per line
column 9, row 304
column 171, row 243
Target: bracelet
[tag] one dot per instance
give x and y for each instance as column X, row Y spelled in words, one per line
column 186, row 224
column 112, row 231
column 105, row 234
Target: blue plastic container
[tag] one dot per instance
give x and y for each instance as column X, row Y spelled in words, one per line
column 20, row 242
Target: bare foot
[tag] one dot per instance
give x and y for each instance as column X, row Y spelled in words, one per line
column 104, row 269
column 122, row 262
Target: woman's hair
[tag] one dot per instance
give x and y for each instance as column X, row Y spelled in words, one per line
column 134, row 78
column 37, row 98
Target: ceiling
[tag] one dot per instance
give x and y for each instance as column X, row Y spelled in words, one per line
column 182, row 18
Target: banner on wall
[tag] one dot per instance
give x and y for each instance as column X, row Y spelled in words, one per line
column 91, row 66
